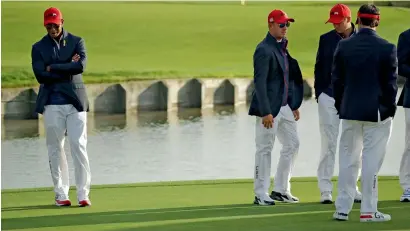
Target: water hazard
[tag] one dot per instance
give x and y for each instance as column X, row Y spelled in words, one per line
column 192, row 144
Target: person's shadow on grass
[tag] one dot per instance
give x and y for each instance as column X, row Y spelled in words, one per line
column 301, row 216
column 30, row 207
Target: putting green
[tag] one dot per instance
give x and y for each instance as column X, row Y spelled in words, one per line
column 200, row 205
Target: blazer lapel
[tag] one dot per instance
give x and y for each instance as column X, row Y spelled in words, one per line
column 279, row 57
column 274, row 44
column 64, row 47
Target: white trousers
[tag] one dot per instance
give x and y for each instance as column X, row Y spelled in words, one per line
column 57, row 120
column 405, row 160
column 372, row 139
column 284, row 127
column 329, row 130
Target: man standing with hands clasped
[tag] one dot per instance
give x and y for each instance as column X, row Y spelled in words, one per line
column 277, row 96
column 364, row 79
column 403, row 55
column 58, row 61
column 341, row 18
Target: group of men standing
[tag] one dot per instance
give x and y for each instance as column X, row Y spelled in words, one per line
column 356, row 75
column 355, row 84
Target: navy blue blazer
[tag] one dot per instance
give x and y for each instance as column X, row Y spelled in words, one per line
column 269, row 81
column 65, row 76
column 403, row 55
column 364, row 77
column 324, row 60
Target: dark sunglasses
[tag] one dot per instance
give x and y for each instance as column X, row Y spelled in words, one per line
column 287, row 24
column 52, row 25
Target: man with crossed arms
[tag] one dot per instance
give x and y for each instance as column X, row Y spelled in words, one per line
column 58, row 60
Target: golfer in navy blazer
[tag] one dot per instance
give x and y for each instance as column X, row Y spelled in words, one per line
column 277, row 96
column 364, row 79
column 58, row 61
column 403, row 55
column 341, row 18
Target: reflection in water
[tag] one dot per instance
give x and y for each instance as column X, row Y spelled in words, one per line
column 103, row 122
column 185, row 144
column 109, row 122
column 151, row 118
column 221, row 110
column 19, row 129
column 195, row 114
column 189, row 114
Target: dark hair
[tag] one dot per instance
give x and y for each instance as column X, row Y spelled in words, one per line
column 369, row 9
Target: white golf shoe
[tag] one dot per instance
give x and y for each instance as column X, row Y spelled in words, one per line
column 374, row 217
column 326, row 197
column 340, row 216
column 406, row 196
column 263, row 200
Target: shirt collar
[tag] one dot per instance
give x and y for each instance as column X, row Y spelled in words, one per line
column 354, row 31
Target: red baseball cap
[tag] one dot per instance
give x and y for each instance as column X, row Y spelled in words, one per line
column 338, row 13
column 279, row 16
column 52, row 15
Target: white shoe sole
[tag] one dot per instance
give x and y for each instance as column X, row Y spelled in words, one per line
column 374, row 220
column 62, row 205
column 263, row 203
column 340, row 218
column 290, row 201
column 326, row 200
column 405, row 199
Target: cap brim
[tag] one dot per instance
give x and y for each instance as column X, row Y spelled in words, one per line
column 334, row 20
column 52, row 21
column 285, row 20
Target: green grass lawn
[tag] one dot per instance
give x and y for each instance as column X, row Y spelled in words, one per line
column 136, row 40
column 199, row 206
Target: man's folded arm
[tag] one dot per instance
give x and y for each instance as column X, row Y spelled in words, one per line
column 39, row 69
column 73, row 68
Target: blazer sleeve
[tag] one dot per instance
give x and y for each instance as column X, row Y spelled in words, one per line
column 318, row 72
column 261, row 70
column 390, row 87
column 338, row 77
column 38, row 66
column 296, row 84
column 73, row 68
column 403, row 54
